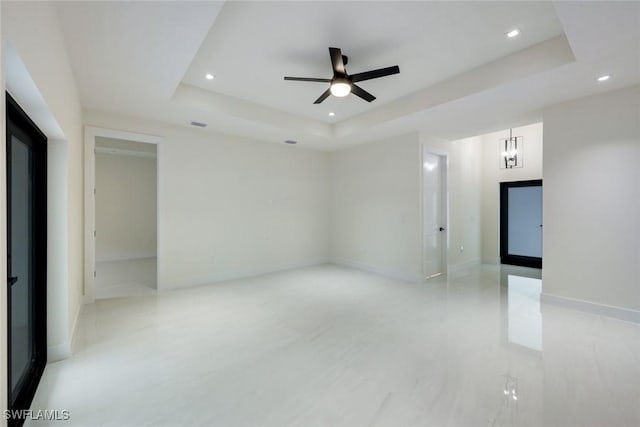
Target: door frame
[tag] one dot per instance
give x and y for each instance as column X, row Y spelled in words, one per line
column 16, row 117
column 505, row 257
column 424, row 149
column 90, row 134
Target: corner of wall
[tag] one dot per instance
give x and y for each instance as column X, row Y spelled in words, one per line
column 375, row 207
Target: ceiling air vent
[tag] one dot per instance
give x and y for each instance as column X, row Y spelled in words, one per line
column 199, row 124
column 290, row 141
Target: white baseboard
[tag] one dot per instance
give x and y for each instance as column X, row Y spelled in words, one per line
column 593, row 308
column 136, row 257
column 63, row 351
column 59, row 352
column 380, row 271
column 74, row 328
column 88, row 299
column 199, row 281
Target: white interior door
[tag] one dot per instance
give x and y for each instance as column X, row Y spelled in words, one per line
column 433, row 214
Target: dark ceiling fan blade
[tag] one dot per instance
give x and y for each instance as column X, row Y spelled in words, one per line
column 358, row 91
column 324, row 96
column 307, row 79
column 374, row 74
column 336, row 60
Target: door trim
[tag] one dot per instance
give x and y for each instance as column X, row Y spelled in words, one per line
column 18, row 122
column 505, row 257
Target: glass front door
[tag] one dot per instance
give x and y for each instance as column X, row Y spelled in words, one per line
column 521, row 223
column 26, row 256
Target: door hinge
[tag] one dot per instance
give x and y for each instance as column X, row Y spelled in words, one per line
column 94, row 233
column 94, row 273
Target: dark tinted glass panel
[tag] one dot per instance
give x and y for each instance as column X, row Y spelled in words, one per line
column 21, row 259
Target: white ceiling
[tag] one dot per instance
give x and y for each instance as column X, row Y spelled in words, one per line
column 460, row 75
column 132, row 53
column 430, row 42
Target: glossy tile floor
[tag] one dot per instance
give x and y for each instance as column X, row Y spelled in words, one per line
column 329, row 346
column 126, row 278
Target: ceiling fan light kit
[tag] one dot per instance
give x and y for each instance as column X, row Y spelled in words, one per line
column 340, row 87
column 342, row 84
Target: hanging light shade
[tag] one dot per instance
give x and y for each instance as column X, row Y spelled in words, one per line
column 511, row 150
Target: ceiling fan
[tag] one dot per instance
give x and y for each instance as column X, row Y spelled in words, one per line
column 342, row 83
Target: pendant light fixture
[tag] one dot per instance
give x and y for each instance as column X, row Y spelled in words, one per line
column 511, row 150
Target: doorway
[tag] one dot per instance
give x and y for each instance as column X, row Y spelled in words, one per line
column 26, row 148
column 521, row 223
column 121, row 214
column 126, row 223
column 434, row 213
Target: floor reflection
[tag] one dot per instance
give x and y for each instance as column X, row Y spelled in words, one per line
column 334, row 346
column 508, row 410
column 523, row 287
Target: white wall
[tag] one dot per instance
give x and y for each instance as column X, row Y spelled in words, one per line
column 58, row 335
column 33, row 30
column 125, row 207
column 230, row 207
column 591, row 244
column 492, row 176
column 464, row 178
column 375, row 201
column 376, row 204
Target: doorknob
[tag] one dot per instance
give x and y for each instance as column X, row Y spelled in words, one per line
column 12, row 280
column 441, row 229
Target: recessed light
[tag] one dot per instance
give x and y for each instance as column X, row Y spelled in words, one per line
column 604, row 78
column 513, row 33
column 209, row 76
column 331, row 114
